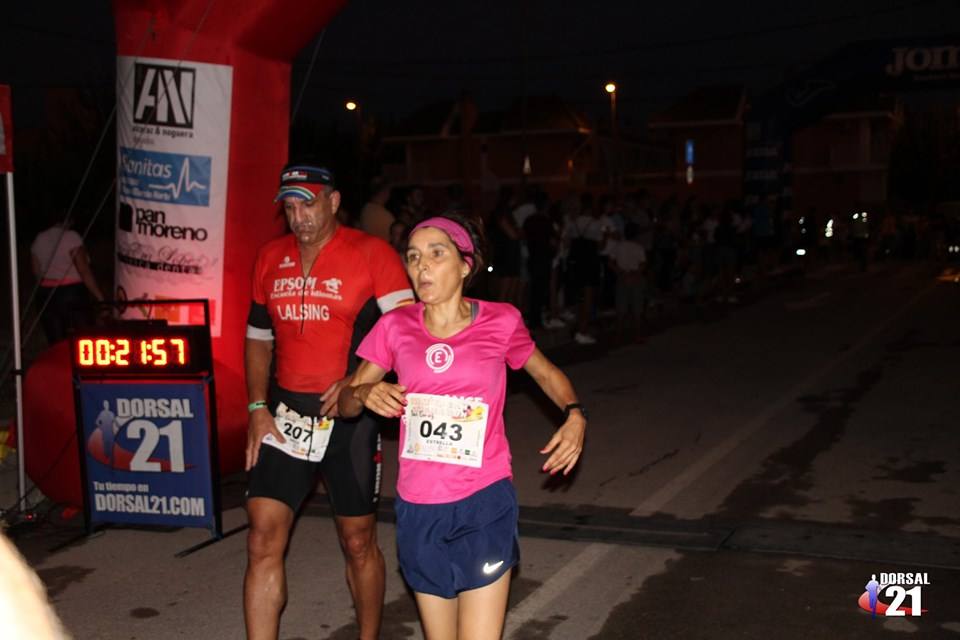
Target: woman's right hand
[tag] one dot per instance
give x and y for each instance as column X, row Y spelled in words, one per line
column 383, row 398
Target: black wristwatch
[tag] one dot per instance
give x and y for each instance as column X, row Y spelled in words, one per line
column 570, row 407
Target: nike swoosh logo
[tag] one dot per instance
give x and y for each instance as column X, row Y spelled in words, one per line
column 490, row 568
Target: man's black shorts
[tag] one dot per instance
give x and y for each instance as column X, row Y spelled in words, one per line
column 350, row 467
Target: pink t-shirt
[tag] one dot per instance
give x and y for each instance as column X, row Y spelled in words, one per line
column 469, row 364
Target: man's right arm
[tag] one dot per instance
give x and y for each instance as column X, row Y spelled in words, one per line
column 258, row 353
column 257, row 356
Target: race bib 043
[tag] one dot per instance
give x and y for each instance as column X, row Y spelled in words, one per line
column 445, row 429
column 306, row 437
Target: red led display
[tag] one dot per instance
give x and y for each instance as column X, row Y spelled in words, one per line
column 169, row 352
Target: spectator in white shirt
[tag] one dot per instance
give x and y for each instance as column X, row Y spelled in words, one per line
column 61, row 264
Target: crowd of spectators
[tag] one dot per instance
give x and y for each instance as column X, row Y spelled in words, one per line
column 589, row 260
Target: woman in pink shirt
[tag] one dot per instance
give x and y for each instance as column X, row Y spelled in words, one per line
column 456, row 507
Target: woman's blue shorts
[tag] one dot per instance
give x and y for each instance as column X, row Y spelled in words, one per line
column 455, row 546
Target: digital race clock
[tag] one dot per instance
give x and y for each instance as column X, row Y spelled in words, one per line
column 159, row 349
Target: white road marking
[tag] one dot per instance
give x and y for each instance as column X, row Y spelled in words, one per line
column 692, row 473
column 531, row 606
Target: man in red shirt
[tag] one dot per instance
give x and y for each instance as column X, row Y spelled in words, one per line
column 315, row 293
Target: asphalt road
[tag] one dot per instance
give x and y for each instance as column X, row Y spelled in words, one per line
column 745, row 475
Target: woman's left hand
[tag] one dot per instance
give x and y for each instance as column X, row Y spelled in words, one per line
column 566, row 445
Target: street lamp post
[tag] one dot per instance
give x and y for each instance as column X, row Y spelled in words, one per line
column 353, row 106
column 611, row 89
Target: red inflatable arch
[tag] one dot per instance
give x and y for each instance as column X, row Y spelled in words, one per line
column 253, row 44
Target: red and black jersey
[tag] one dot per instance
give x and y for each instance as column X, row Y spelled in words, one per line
column 312, row 318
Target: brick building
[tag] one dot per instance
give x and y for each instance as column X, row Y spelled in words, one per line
column 705, row 126
column 452, row 143
column 840, row 162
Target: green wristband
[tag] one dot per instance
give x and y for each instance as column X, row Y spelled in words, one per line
column 259, row 404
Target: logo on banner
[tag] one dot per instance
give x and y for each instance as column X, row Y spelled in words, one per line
column 923, row 59
column 163, row 95
column 153, row 223
column 175, row 178
column 146, row 453
column 899, row 588
column 810, row 90
column 126, row 436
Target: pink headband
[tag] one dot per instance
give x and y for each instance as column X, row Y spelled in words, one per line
column 457, row 234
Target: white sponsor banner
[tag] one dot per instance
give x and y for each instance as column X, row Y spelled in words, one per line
column 173, row 144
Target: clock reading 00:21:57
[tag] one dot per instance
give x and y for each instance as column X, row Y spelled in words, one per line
column 122, row 352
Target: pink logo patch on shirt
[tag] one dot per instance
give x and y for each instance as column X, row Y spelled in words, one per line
column 439, row 357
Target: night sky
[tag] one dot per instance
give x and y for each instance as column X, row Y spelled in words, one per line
column 396, row 55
